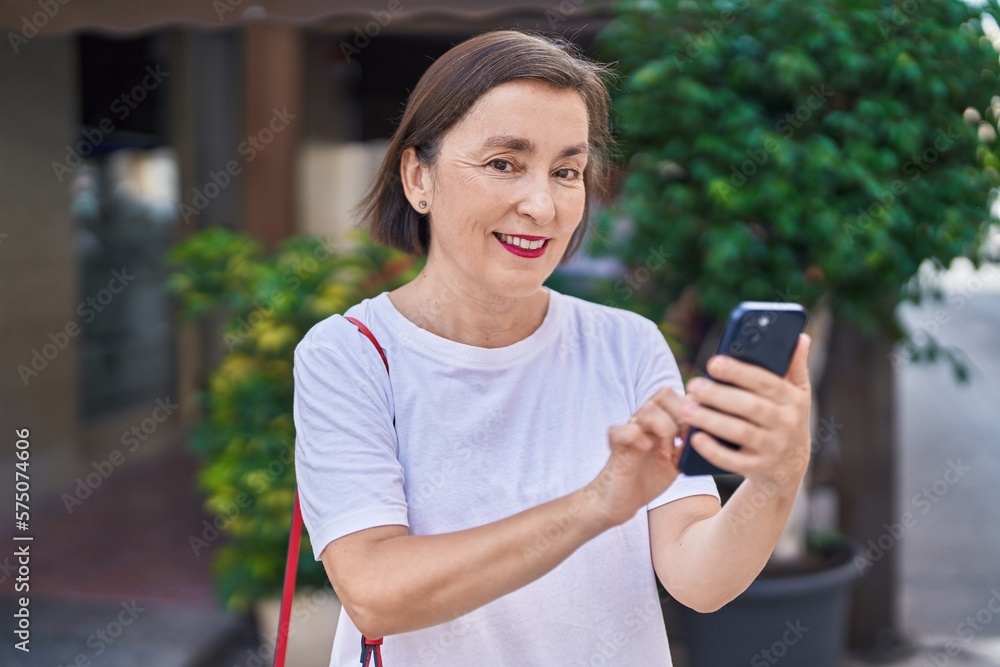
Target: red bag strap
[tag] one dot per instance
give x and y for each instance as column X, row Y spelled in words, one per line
column 371, row 337
column 288, row 588
column 369, row 647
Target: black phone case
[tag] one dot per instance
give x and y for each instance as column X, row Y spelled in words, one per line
column 758, row 332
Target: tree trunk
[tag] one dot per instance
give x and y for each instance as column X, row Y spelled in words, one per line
column 858, row 399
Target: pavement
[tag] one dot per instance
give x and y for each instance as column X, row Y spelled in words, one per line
column 130, row 633
column 950, row 556
column 940, row 651
column 114, row 583
column 151, row 604
column 948, row 473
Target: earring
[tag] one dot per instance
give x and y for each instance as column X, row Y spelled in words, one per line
column 423, row 204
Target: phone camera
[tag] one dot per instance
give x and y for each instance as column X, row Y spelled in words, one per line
column 763, row 321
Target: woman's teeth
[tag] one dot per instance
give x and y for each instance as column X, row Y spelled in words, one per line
column 521, row 243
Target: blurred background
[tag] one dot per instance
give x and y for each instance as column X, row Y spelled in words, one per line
column 176, row 186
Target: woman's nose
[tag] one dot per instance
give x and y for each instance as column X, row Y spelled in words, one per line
column 536, row 201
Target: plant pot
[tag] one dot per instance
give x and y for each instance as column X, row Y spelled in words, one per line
column 310, row 635
column 802, row 616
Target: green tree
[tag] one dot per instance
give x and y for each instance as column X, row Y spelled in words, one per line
column 810, row 151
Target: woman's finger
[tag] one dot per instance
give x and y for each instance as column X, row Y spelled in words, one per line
column 734, row 429
column 733, row 400
column 748, row 376
column 672, row 402
column 719, row 455
column 798, row 368
column 656, row 422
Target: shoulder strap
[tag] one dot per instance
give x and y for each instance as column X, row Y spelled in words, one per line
column 371, row 337
column 369, row 647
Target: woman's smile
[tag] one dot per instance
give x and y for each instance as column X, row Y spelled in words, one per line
column 523, row 246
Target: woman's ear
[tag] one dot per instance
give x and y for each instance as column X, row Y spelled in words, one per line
column 416, row 179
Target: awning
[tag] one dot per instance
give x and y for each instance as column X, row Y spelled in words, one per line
column 29, row 18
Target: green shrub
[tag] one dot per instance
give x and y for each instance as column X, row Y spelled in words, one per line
column 245, row 436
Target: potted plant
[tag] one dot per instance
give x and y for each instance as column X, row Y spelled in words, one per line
column 813, row 152
column 245, row 434
column 798, row 605
column 800, row 599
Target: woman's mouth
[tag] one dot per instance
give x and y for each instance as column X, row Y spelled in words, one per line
column 521, row 246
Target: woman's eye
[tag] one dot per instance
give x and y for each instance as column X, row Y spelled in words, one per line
column 501, row 163
column 568, row 174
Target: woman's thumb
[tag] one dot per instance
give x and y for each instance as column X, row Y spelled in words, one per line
column 620, row 435
column 798, row 369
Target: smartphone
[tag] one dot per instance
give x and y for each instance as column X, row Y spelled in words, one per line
column 762, row 333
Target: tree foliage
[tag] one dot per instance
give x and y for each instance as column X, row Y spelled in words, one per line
column 787, row 150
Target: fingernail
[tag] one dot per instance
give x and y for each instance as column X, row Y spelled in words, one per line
column 713, row 365
column 697, row 385
column 688, row 409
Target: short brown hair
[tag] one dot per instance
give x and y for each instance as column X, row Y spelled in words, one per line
column 448, row 89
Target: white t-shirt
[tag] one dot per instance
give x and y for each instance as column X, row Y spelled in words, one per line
column 482, row 434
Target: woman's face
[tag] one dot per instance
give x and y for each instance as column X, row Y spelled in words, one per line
column 512, row 166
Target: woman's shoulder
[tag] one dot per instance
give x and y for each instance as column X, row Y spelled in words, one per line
column 336, row 332
column 589, row 317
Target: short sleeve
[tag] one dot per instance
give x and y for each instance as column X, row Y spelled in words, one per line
column 659, row 369
column 346, row 465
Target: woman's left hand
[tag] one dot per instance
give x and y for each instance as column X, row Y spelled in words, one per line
column 768, row 416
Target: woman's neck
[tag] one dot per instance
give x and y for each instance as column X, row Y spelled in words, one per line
column 469, row 316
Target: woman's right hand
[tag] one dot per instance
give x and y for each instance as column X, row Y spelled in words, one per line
column 642, row 464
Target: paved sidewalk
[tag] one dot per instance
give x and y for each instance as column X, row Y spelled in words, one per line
column 130, row 633
column 934, row 651
column 115, row 583
column 949, row 556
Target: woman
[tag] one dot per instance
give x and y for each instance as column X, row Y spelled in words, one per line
column 491, row 502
